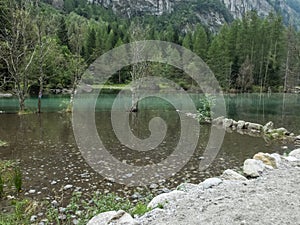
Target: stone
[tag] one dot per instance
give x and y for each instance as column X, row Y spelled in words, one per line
column 232, row 175
column 187, row 187
column 281, row 130
column 31, row 191
column 113, row 217
column 267, row 159
column 218, row 121
column 33, row 218
column 253, row 167
column 211, row 182
column 227, row 123
column 297, row 137
column 269, row 126
column 254, row 126
column 277, row 158
column 68, row 186
column 291, row 159
column 153, row 186
column 295, row 153
column 165, row 198
column 54, row 203
column 241, row 124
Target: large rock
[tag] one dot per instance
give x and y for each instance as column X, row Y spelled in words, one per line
column 267, row 159
column 254, row 126
column 295, row 153
column 187, row 187
column 253, row 167
column 232, row 175
column 113, row 217
column 218, row 121
column 268, row 127
column 166, row 198
column 227, row 123
column 241, row 124
column 211, row 182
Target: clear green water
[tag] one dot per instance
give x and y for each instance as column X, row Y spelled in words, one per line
column 47, row 150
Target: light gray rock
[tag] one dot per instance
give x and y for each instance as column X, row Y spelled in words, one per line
column 211, row 182
column 281, row 130
column 253, row 167
column 218, row 121
column 166, row 198
column 295, row 153
column 113, row 217
column 33, row 218
column 68, row 186
column 227, row 123
column 269, row 126
column 277, row 158
column 232, row 175
column 241, row 124
column 187, row 187
column 254, row 126
column 291, row 158
column 267, row 159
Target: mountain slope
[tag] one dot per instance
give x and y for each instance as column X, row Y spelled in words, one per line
column 212, row 13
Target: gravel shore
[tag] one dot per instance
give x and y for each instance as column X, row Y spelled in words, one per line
column 273, row 198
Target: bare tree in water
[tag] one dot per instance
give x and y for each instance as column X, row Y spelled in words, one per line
column 139, row 70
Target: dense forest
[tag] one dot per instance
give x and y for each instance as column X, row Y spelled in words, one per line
column 47, row 47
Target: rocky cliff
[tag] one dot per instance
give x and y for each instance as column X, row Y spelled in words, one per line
column 211, row 13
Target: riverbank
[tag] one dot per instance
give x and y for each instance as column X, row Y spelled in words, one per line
column 271, row 198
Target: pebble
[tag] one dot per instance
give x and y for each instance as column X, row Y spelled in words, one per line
column 53, row 182
column 54, row 203
column 33, row 218
column 32, row 191
column 68, row 186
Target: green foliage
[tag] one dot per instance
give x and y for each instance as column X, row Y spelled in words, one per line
column 204, row 111
column 18, row 179
column 3, row 143
column 21, row 212
column 140, row 209
column 1, row 186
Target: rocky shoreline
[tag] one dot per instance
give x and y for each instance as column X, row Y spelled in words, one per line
column 266, row 192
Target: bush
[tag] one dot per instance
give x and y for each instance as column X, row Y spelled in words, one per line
column 204, row 111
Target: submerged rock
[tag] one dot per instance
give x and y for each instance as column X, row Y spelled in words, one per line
column 253, row 167
column 113, row 217
column 232, row 175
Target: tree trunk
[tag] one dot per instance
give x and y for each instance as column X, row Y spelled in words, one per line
column 21, row 102
column 134, row 100
column 40, row 95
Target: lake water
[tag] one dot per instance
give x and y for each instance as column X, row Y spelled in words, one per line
column 46, row 148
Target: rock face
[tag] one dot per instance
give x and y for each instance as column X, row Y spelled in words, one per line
column 253, row 167
column 238, row 8
column 212, row 15
column 113, row 217
column 136, row 7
